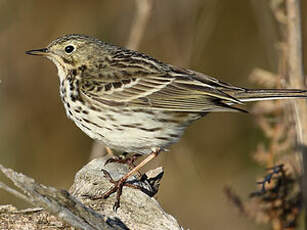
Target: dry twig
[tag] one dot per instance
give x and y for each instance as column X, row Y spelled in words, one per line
column 280, row 201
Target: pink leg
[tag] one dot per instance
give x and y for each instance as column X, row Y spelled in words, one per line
column 118, row 185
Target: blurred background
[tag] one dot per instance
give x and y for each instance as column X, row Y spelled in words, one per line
column 225, row 39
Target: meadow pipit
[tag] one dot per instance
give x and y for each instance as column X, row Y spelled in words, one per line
column 135, row 103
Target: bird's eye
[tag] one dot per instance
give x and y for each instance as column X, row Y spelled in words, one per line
column 69, row 49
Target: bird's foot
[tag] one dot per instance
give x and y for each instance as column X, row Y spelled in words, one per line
column 124, row 159
column 119, row 184
column 117, row 187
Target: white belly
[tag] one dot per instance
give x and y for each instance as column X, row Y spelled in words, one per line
column 125, row 130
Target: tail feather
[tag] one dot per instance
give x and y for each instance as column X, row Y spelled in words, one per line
column 268, row 94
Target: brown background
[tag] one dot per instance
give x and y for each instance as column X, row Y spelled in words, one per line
column 226, row 39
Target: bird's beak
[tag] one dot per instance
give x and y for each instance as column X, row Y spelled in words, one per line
column 40, row 52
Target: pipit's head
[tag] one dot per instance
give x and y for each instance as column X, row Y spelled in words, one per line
column 70, row 51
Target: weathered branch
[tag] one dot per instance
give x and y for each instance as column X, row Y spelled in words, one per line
column 76, row 208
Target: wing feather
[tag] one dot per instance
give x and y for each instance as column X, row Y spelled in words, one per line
column 165, row 88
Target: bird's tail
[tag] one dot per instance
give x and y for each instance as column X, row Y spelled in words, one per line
column 268, row 94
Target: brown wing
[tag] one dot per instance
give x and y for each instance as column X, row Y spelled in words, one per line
column 139, row 81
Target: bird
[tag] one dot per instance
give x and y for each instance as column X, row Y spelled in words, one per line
column 135, row 103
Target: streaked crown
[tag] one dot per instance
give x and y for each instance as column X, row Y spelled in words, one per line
column 72, row 50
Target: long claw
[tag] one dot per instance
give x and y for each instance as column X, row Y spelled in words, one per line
column 108, row 161
column 107, row 175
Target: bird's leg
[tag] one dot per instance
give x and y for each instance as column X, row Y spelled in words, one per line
column 109, row 151
column 118, row 185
